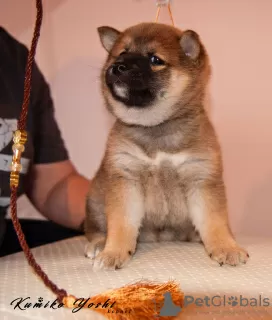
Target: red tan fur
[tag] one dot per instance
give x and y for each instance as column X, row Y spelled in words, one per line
column 161, row 178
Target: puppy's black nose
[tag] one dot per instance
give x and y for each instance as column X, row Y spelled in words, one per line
column 119, row 68
column 131, row 64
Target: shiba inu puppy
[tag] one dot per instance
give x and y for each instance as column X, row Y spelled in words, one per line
column 161, row 178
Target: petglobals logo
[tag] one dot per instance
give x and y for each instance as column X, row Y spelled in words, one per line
column 223, row 301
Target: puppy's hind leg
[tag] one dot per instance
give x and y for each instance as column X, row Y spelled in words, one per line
column 94, row 224
column 96, row 244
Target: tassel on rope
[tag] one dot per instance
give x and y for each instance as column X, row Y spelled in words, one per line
column 139, row 301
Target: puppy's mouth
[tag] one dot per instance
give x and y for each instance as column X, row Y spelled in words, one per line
column 129, row 81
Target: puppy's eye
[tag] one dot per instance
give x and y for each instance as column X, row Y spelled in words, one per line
column 155, row 61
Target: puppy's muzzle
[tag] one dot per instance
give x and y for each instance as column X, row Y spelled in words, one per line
column 131, row 70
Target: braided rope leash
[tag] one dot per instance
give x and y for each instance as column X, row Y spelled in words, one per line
column 19, row 140
column 137, row 297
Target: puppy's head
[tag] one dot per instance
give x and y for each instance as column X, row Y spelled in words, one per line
column 152, row 72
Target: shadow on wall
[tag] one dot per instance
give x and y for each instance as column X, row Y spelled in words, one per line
column 81, row 113
column 208, row 102
column 257, row 215
column 17, row 15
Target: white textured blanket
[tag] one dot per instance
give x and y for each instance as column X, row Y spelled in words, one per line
column 186, row 263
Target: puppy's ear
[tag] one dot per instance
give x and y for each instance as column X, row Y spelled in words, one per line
column 190, row 44
column 108, row 37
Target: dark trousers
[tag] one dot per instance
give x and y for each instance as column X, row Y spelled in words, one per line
column 36, row 233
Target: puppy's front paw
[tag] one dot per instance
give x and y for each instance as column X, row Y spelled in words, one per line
column 232, row 255
column 111, row 260
column 92, row 249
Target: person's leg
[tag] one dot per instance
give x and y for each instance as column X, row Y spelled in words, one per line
column 36, row 233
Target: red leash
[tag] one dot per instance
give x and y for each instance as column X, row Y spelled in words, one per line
column 19, row 140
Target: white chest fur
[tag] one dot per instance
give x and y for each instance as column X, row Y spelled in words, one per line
column 175, row 159
column 134, row 157
column 162, row 193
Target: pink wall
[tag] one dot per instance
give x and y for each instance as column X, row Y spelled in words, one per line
column 237, row 35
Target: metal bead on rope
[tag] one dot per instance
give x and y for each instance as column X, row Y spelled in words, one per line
column 19, row 139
